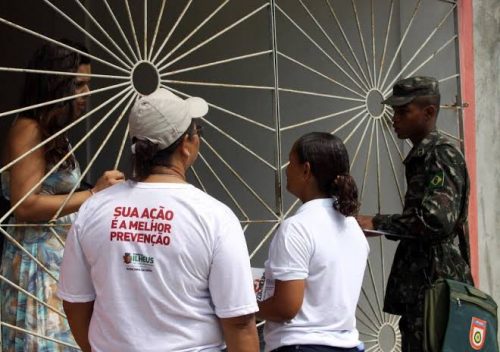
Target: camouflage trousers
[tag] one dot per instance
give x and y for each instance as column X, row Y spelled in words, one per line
column 411, row 326
column 412, row 333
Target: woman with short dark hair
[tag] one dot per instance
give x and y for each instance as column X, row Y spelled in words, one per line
column 318, row 256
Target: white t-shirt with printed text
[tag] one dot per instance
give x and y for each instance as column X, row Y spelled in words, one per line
column 162, row 261
column 329, row 251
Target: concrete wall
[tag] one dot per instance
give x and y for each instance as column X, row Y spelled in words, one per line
column 487, row 76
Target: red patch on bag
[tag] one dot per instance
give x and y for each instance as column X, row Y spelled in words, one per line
column 477, row 333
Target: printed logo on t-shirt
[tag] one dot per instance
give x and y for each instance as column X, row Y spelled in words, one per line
column 149, row 225
column 138, row 262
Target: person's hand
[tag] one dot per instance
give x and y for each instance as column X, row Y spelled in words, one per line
column 107, row 179
column 365, row 222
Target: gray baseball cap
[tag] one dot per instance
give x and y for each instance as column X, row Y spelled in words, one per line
column 405, row 90
column 162, row 117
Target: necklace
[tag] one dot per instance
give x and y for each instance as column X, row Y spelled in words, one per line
column 164, row 171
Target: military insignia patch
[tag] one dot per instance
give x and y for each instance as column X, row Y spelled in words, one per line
column 438, row 180
column 477, row 333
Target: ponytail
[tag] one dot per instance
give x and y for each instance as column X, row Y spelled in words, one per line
column 346, row 192
column 144, row 152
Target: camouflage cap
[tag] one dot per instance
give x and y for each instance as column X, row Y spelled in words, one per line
column 405, row 90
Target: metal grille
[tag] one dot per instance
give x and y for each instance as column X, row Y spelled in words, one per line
column 271, row 71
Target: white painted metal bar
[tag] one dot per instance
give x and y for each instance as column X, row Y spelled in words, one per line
column 384, row 119
column 375, row 289
column 61, row 131
column 351, row 133
column 401, row 42
column 361, row 80
column 319, row 73
column 367, row 163
column 449, row 77
column 193, row 32
column 348, row 122
column 132, row 27
column 400, row 193
column 357, row 83
column 278, row 155
column 374, row 348
column 451, row 136
column 260, row 221
column 264, row 240
column 100, row 90
column 120, row 29
column 54, row 168
column 320, row 118
column 18, row 245
column 334, row 14
column 101, row 146
column 224, row 187
column 39, row 335
column 433, row 55
column 294, row 204
column 382, row 60
column 324, row 53
column 239, row 177
column 367, row 334
column 35, row 298
column 197, row 67
column 44, row 37
column 56, row 235
column 373, row 326
column 382, row 268
column 361, row 140
column 103, row 31
column 369, row 301
column 145, row 29
column 198, row 179
column 84, row 31
column 288, row 90
column 213, row 84
column 373, row 45
column 179, row 19
column 360, row 32
column 422, row 46
column 241, row 117
column 61, row 73
column 379, row 193
column 122, row 147
column 218, row 34
column 241, row 145
column 157, row 28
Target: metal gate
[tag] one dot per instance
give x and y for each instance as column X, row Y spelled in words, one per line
column 271, row 71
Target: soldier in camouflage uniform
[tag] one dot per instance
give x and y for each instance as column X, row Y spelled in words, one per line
column 434, row 212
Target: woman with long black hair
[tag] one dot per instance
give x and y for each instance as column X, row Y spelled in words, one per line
column 28, row 130
column 318, row 256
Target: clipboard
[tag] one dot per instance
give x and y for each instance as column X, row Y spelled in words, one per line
column 384, row 233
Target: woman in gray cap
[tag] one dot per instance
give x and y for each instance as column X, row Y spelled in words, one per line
column 155, row 264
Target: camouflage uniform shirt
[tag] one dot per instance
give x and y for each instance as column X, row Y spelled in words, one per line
column 434, row 212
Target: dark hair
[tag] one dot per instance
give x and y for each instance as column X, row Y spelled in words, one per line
column 426, row 100
column 40, row 88
column 329, row 163
column 146, row 154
